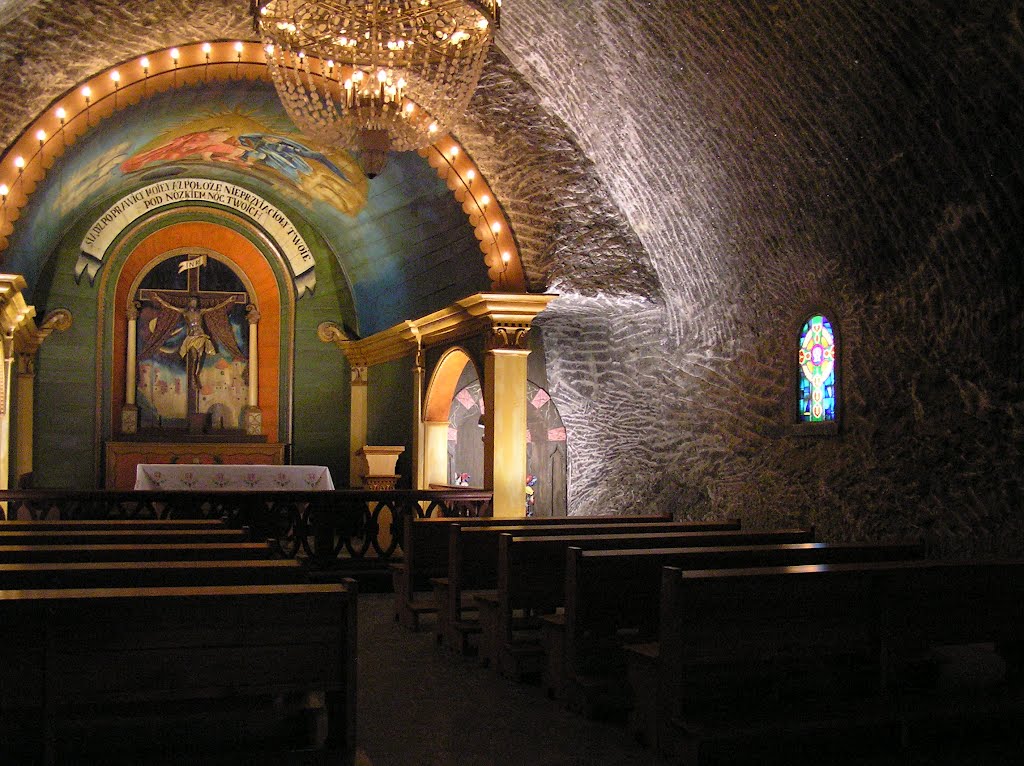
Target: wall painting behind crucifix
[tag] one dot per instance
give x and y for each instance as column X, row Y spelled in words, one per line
column 192, row 345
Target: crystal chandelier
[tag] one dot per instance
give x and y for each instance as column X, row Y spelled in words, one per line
column 375, row 75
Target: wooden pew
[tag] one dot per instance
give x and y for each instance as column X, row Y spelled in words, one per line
column 173, row 675
column 425, row 554
column 26, row 554
column 809, row 652
column 613, row 597
column 75, row 536
column 473, row 560
column 150, row 574
column 531, row 577
column 141, row 525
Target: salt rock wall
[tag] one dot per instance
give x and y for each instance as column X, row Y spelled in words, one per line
column 858, row 157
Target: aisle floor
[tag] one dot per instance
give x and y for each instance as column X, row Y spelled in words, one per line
column 420, row 705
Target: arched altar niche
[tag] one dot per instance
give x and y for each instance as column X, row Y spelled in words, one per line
column 440, row 394
column 454, row 409
column 244, row 258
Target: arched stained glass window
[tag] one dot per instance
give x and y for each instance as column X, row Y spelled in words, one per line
column 817, row 375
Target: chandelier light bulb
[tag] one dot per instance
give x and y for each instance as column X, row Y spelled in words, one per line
column 495, row 227
column 41, row 137
column 4, row 191
column 116, row 77
column 144, row 61
column 470, row 175
column 19, row 163
column 485, row 200
column 175, row 54
column 506, row 256
column 87, row 94
column 62, row 115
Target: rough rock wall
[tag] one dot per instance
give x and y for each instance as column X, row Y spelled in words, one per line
column 855, row 156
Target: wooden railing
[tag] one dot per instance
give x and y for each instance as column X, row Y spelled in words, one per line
column 319, row 526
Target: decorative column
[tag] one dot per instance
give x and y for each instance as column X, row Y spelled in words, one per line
column 13, row 312
column 27, row 340
column 252, row 415
column 505, row 417
column 358, row 412
column 130, row 410
column 419, row 470
column 23, row 434
column 5, row 421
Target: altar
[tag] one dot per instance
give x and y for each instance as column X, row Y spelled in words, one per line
column 236, row 478
column 124, row 457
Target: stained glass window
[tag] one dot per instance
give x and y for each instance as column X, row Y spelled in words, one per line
column 817, row 358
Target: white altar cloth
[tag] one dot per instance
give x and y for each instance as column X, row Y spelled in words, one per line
column 238, row 478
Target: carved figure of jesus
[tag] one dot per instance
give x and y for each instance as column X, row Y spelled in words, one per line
column 197, row 343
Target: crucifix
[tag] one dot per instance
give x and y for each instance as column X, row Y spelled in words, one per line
column 195, row 305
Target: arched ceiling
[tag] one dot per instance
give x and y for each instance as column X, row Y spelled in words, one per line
column 404, row 244
column 552, row 194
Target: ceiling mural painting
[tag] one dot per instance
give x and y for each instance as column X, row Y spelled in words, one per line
column 403, row 244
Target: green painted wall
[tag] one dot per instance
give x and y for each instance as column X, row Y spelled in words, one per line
column 389, row 401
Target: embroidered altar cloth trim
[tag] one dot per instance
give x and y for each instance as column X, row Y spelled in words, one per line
column 238, row 478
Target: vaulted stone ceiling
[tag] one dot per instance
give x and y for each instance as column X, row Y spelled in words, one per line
column 694, row 177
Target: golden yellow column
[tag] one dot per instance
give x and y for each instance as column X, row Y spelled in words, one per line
column 435, row 450
column 5, row 420
column 505, row 418
column 25, row 393
column 357, row 424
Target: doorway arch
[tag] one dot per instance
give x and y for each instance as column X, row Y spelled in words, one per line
column 441, row 392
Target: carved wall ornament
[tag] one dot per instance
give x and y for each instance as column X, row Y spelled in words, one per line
column 513, row 336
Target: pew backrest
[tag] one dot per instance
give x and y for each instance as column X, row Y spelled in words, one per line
column 110, row 524
column 97, row 649
column 473, row 551
column 425, row 541
column 76, row 536
column 608, row 591
column 13, row 554
column 130, row 574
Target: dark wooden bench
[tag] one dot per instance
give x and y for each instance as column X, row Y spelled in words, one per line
column 425, row 554
column 531, row 580
column 812, row 652
column 473, row 561
column 14, row 554
column 174, row 675
column 141, row 525
column 75, row 536
column 150, row 574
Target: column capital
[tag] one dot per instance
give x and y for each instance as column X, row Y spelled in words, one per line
column 509, row 336
column 359, row 374
column 26, row 364
column 252, row 314
column 131, row 311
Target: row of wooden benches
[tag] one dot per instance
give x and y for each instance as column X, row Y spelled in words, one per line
column 166, row 641
column 569, row 598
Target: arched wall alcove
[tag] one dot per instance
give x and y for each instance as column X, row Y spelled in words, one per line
column 454, row 364
column 273, row 298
